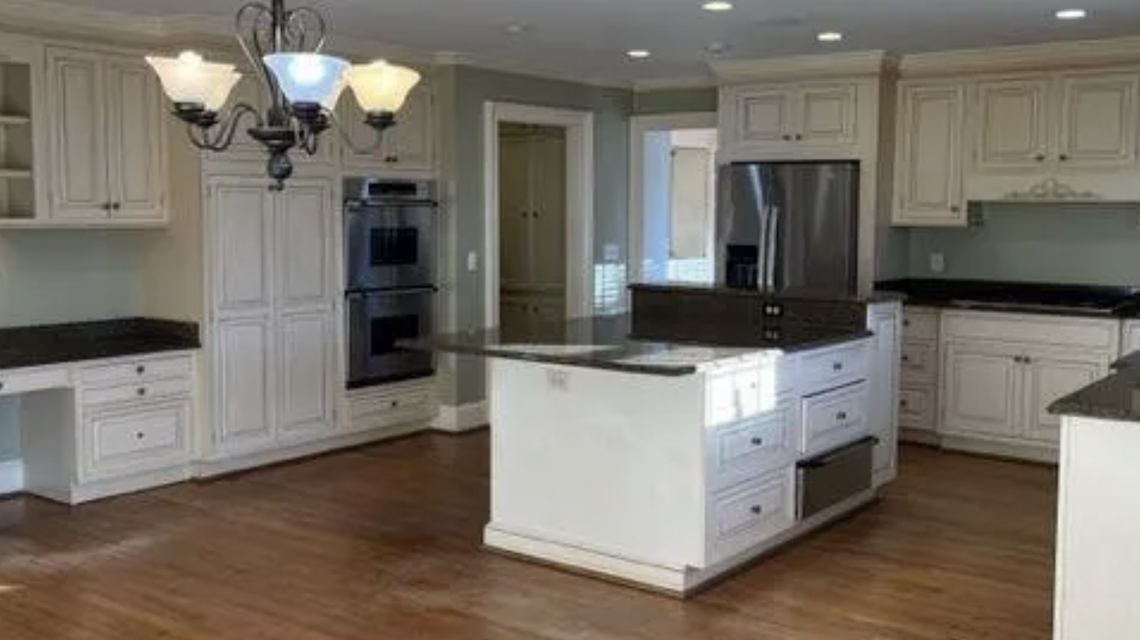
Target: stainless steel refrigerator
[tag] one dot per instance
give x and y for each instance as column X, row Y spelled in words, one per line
column 788, row 226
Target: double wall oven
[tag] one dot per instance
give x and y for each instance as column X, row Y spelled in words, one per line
column 390, row 252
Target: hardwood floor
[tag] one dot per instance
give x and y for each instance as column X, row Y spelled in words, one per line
column 383, row 542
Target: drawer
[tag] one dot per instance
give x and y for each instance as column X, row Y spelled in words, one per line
column 22, row 381
column 736, row 395
column 746, row 516
column 125, row 441
column 919, row 362
column 920, row 324
column 1044, row 330
column 832, row 367
column 125, row 372
column 834, row 418
column 143, row 391
column 755, row 446
column 916, row 409
column 391, row 405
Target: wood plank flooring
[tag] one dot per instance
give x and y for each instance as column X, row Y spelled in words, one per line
column 384, row 542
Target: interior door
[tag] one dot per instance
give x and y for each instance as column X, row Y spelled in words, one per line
column 548, row 195
column 515, row 208
column 137, row 161
column 79, row 135
column 983, row 387
column 1050, row 376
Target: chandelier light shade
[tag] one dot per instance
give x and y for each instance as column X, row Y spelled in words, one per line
column 303, row 86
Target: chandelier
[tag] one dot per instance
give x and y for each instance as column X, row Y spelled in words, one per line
column 303, row 86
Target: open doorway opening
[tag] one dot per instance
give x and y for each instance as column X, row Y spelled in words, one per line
column 673, row 198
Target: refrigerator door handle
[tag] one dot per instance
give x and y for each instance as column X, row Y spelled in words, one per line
column 760, row 269
column 771, row 242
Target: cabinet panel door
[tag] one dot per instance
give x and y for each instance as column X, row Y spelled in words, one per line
column 305, row 394
column 982, row 384
column 243, row 370
column 136, row 164
column 1013, row 127
column 1052, row 375
column 515, row 210
column 79, row 135
column 240, row 223
column 930, row 155
column 548, row 226
column 765, row 115
column 827, row 115
column 304, row 244
column 1098, row 120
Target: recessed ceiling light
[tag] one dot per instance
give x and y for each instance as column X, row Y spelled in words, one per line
column 829, row 36
column 717, row 5
column 637, row 54
column 1071, row 14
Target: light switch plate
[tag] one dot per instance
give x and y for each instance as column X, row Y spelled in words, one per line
column 611, row 252
column 472, row 262
column 937, row 262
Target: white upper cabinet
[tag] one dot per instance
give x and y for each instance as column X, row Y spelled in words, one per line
column 929, row 154
column 772, row 120
column 108, row 143
column 1060, row 136
column 407, row 146
column 827, row 115
column 764, row 115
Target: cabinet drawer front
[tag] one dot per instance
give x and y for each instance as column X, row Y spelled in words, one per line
column 919, row 363
column 732, row 395
column 13, row 382
column 1028, row 328
column 836, row 417
column 916, row 409
column 127, row 441
column 751, row 448
column 134, row 370
column 390, row 406
column 746, row 516
column 833, row 366
column 920, row 324
column 142, row 391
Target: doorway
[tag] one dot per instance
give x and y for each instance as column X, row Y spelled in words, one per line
column 673, row 198
column 539, row 215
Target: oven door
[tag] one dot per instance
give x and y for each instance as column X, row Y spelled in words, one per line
column 376, row 320
column 389, row 245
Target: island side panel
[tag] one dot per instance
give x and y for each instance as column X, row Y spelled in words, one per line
column 604, row 461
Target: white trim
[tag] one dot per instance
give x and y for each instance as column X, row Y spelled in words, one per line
column 860, row 63
column 524, row 68
column 579, row 201
column 638, row 127
column 1049, row 56
column 458, row 419
column 11, row 476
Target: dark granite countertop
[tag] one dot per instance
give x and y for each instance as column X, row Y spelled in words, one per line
column 1092, row 301
column 883, row 295
column 606, row 342
column 32, row 346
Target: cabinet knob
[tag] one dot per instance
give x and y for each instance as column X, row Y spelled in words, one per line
column 141, row 369
column 106, row 206
column 115, row 206
column 394, row 404
column 902, row 403
column 799, row 136
column 758, row 442
column 1, row 386
column 142, row 391
column 838, row 366
column 1039, row 157
column 1063, row 158
column 906, row 323
column 906, row 358
column 955, row 209
column 1027, row 360
column 757, row 509
column 787, row 137
column 140, row 436
column 842, row 415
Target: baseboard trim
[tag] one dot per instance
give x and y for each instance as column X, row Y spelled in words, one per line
column 461, row 418
column 11, row 476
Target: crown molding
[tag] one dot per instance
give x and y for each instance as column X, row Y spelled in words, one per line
column 516, row 67
column 861, row 63
column 1033, row 57
column 665, row 84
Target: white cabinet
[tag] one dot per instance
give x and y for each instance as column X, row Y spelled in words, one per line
column 919, row 373
column 1049, row 376
column 408, row 146
column 982, row 389
column 274, row 330
column 786, row 117
column 109, row 140
column 929, row 157
column 885, row 322
column 1060, row 136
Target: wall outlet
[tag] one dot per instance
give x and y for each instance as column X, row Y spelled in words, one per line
column 472, row 262
column 611, row 252
column 557, row 379
column 937, row 262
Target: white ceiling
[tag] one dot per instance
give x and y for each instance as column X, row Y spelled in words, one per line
column 589, row 38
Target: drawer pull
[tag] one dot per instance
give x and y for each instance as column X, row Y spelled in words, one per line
column 141, row 369
column 394, row 404
column 842, row 415
column 757, row 509
column 838, row 366
column 140, row 436
column 903, row 404
column 906, row 323
column 142, row 391
column 906, row 358
column 1, row 386
column 758, row 442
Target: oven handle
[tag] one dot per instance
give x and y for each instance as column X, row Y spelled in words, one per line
column 360, row 294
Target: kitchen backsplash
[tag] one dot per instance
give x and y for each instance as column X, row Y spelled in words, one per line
column 1061, row 243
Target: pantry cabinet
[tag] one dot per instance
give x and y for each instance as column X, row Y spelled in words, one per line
column 108, row 143
column 930, row 139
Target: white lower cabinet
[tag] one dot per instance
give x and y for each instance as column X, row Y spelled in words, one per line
column 305, row 387
column 747, row 515
column 127, row 438
column 241, row 367
column 983, row 389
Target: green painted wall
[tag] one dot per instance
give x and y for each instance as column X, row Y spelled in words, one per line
column 675, row 101
column 1084, row 244
column 461, row 94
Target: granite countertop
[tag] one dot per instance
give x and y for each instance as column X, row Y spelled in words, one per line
column 606, row 342
column 883, row 295
column 33, row 346
column 1092, row 301
column 1116, row 397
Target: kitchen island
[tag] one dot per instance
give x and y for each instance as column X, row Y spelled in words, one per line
column 666, row 464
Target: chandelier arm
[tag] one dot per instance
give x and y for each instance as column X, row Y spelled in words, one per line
column 296, row 29
column 248, row 32
column 223, row 136
column 342, row 131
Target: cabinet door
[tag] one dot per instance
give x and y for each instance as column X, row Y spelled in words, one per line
column 135, row 141
column 765, row 115
column 930, row 155
column 826, row 115
column 242, row 372
column 79, row 135
column 306, row 384
column 1050, row 376
column 1013, row 126
column 548, row 195
column 409, row 145
column 303, row 224
column 515, row 210
column 240, row 223
column 982, row 387
column 1098, row 120
column 885, row 322
column 1130, row 337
